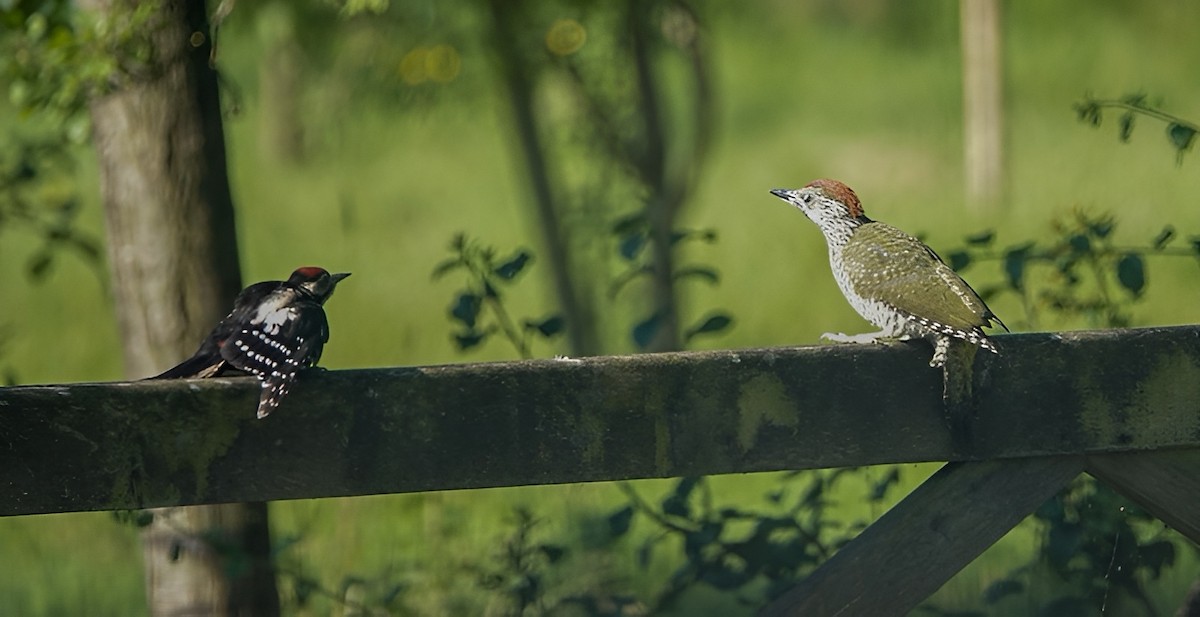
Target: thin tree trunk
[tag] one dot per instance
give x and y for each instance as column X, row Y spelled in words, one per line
column 662, row 206
column 173, row 259
column 581, row 327
column 983, row 102
column 281, row 78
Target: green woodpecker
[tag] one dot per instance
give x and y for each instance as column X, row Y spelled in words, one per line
column 891, row 278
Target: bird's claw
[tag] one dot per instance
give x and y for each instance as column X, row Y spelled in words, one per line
column 862, row 339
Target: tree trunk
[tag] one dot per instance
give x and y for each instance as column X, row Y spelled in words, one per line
column 173, row 259
column 661, row 207
column 983, row 102
column 281, row 85
column 581, row 320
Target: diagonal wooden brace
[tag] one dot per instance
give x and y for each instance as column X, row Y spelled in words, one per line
column 913, row 549
column 1166, row 483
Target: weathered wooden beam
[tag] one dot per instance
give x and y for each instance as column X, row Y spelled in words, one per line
column 914, row 548
column 127, row 445
column 1166, row 484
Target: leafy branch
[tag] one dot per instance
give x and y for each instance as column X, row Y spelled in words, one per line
column 758, row 553
column 1181, row 133
column 633, row 234
column 32, row 174
column 1101, row 547
column 1083, row 269
column 481, row 298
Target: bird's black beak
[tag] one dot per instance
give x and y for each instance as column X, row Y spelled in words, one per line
column 782, row 194
column 339, row 276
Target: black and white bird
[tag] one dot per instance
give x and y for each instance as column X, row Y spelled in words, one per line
column 276, row 329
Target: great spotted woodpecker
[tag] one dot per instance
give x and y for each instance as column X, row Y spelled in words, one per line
column 276, row 328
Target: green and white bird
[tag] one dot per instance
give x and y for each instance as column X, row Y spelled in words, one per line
column 892, row 279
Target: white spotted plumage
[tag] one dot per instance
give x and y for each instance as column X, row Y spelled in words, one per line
column 276, row 329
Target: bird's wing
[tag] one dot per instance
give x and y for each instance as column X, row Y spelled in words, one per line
column 288, row 339
column 914, row 282
column 208, row 361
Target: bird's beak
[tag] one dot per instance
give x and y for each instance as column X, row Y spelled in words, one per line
column 783, row 194
column 339, row 276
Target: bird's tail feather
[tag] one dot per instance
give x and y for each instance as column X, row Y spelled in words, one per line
column 196, row 366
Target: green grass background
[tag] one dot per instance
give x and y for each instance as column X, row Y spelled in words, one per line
column 868, row 92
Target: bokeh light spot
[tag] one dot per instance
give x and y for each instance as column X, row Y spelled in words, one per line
column 565, row 37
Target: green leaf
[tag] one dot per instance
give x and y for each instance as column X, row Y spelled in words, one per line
column 35, row 26
column 1157, row 555
column 39, row 264
column 1164, row 237
column 1014, row 266
column 959, row 260
column 723, row 577
column 553, row 552
column 645, row 331
column 1126, row 126
column 880, row 488
column 1131, row 273
column 1181, row 136
column 713, row 323
column 982, row 238
column 987, row 292
column 1101, row 228
column 1001, row 589
column 513, row 266
column 1137, row 99
column 466, row 308
column 620, row 521
column 708, row 274
column 548, row 327
column 1088, row 112
column 631, row 245
column 629, row 224
column 442, row 268
column 471, row 338
column 676, row 504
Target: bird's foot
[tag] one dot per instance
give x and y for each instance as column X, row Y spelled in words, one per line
column 862, row 339
column 941, row 349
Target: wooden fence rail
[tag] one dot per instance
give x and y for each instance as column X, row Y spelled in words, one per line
column 1123, row 405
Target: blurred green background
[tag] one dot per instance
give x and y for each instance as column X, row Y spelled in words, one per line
column 392, row 166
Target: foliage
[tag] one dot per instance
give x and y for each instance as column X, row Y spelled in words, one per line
column 1180, row 133
column 1080, row 273
column 632, row 234
column 37, row 198
column 479, row 308
column 382, row 594
column 1092, row 540
column 33, row 176
column 56, row 58
column 756, row 553
column 526, row 579
column 615, row 138
column 1101, row 549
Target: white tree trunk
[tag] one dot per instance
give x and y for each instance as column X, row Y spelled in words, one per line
column 983, row 102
